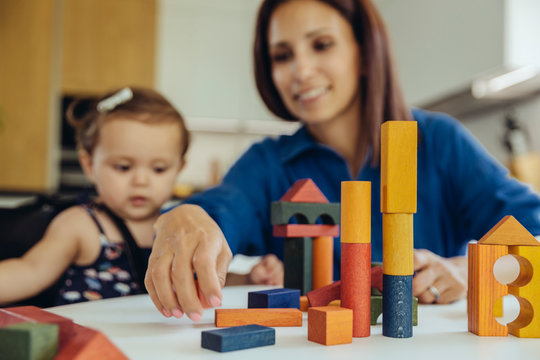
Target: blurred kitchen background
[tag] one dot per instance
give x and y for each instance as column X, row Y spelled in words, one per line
column 476, row 60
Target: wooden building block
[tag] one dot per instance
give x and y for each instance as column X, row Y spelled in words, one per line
column 28, row 341
column 355, row 284
column 238, row 338
column 330, row 325
column 509, row 231
column 323, row 261
column 398, row 244
column 399, row 141
column 356, row 212
column 377, row 309
column 305, row 230
column 264, row 317
column 323, row 296
column 304, row 303
column 19, row 314
column 304, row 213
column 304, row 190
column 89, row 344
column 397, row 306
column 297, row 263
column 484, row 290
column 376, row 277
column 526, row 288
column 274, row 298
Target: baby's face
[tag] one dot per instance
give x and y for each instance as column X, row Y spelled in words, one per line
column 134, row 166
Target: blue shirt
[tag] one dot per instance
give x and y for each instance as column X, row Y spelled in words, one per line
column 462, row 190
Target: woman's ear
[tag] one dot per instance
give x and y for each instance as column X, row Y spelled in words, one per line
column 87, row 165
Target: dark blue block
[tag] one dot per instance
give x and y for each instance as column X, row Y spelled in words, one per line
column 274, row 298
column 397, row 306
column 238, row 338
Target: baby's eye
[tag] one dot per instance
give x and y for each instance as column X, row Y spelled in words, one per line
column 160, row 169
column 122, row 167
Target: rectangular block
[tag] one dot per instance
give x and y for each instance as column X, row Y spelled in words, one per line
column 305, row 213
column 238, row 338
column 399, row 140
column 484, row 290
column 274, row 298
column 298, row 263
column 323, row 296
column 397, row 306
column 398, row 238
column 264, row 317
column 303, row 230
column 330, row 325
column 29, row 341
column 356, row 212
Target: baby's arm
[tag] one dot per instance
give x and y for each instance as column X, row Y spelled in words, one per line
column 44, row 263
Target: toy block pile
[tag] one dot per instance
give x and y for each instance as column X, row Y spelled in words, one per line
column 28, row 332
column 507, row 237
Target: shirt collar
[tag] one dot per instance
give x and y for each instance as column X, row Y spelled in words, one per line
column 296, row 144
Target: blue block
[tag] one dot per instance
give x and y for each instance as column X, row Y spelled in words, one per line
column 274, row 298
column 238, row 338
column 397, row 306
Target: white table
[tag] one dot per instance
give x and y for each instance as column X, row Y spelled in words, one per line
column 136, row 327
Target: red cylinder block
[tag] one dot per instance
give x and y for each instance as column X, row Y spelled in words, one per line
column 356, row 285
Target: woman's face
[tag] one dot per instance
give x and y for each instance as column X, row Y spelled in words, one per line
column 315, row 61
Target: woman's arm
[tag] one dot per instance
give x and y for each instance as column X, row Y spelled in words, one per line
column 44, row 263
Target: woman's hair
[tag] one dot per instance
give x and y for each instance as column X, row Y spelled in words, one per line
column 87, row 115
column 380, row 92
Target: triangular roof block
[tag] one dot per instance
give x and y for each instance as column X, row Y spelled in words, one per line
column 305, row 190
column 509, row 231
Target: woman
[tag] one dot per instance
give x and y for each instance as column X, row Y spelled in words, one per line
column 327, row 64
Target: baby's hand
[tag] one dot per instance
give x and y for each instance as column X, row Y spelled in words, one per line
column 269, row 271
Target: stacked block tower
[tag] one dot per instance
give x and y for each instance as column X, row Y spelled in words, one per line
column 399, row 141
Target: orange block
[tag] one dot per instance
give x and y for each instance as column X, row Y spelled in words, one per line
column 356, row 285
column 306, row 230
column 398, row 237
column 304, row 190
column 484, row 290
column 264, row 317
column 355, row 212
column 509, row 231
column 526, row 288
column 322, row 271
column 330, row 325
column 399, row 141
column 304, row 303
column 89, row 344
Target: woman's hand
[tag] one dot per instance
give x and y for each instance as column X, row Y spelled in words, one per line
column 268, row 271
column 439, row 280
column 188, row 242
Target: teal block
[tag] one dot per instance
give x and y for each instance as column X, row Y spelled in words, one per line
column 29, row 341
column 305, row 213
column 297, row 263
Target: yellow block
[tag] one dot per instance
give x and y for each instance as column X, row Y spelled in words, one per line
column 398, row 244
column 355, row 212
column 526, row 288
column 399, row 141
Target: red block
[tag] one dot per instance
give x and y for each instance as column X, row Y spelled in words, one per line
column 376, row 277
column 306, row 230
column 356, row 285
column 322, row 296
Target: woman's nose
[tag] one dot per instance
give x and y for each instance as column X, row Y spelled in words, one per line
column 303, row 67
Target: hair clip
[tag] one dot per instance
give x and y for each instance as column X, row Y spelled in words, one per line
column 114, row 100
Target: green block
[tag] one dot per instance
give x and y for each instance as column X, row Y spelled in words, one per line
column 297, row 263
column 29, row 341
column 376, row 308
column 305, row 213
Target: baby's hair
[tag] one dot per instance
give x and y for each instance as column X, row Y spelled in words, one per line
column 87, row 115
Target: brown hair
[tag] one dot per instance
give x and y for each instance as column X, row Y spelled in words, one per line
column 382, row 99
column 146, row 106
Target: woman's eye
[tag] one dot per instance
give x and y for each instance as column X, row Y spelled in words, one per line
column 121, row 167
column 322, row 45
column 281, row 56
